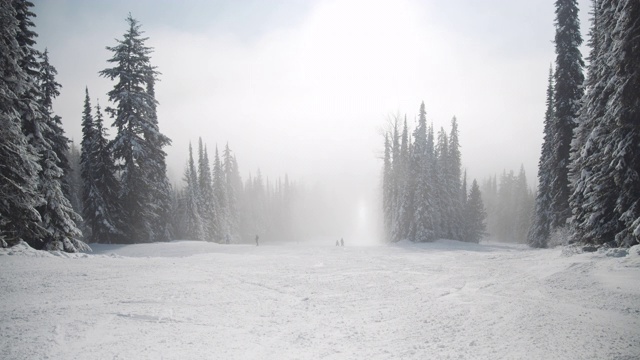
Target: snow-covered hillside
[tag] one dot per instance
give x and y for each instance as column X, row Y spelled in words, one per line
column 194, row 300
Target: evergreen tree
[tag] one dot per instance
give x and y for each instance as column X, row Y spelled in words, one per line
column 432, row 176
column 404, row 209
column 420, row 171
column 607, row 168
column 193, row 228
column 625, row 118
column 137, row 147
column 541, row 224
column 87, row 171
column 583, row 146
column 57, row 230
column 19, row 218
column 234, row 187
column 221, row 199
column 454, row 187
column 206, row 200
column 49, row 90
column 475, row 214
column 441, row 185
column 568, row 93
column 395, row 179
column 465, row 193
column 106, row 222
column 159, row 185
column 423, row 197
column 387, row 189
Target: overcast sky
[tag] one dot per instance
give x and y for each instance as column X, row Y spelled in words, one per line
column 304, row 87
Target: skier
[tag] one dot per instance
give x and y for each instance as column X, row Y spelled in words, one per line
column 337, row 242
column 341, row 242
column 257, row 237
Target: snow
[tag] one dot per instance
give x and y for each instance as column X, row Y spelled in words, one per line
column 197, row 300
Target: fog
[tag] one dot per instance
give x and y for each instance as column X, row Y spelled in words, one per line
column 304, row 87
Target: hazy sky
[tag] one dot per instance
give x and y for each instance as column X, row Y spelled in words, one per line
column 304, row 87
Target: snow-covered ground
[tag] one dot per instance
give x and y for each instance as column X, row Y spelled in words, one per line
column 193, row 300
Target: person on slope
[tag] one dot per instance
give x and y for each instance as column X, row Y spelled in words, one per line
column 341, row 241
column 257, row 237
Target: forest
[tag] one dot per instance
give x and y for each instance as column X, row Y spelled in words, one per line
column 114, row 188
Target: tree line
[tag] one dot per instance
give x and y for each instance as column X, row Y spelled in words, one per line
column 424, row 193
column 589, row 169
column 216, row 206
column 118, row 184
column 510, row 203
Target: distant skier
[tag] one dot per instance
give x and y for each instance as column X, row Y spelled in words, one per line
column 337, row 242
column 341, row 242
column 257, row 237
column 227, row 239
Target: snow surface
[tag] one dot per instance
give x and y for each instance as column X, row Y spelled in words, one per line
column 196, row 300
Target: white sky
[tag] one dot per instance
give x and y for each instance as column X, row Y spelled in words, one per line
column 304, row 87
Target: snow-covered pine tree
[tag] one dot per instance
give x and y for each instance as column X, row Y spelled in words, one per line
column 583, row 146
column 625, row 118
column 465, row 191
column 234, row 187
column 463, row 200
column 441, row 186
column 396, row 195
column 137, row 147
column 569, row 79
column 454, row 187
column 107, row 224
column 221, row 199
column 159, row 185
column 19, row 218
column 595, row 198
column 421, row 158
column 206, row 199
column 436, row 201
column 404, row 190
column 87, row 171
column 387, row 188
column 540, row 230
column 49, row 90
column 475, row 214
column 192, row 220
column 58, row 227
column 605, row 197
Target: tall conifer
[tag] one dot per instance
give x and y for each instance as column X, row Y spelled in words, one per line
column 137, row 148
column 568, row 93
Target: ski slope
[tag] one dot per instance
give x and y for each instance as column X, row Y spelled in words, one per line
column 194, row 300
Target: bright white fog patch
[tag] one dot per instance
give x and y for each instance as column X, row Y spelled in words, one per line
column 197, row 300
column 362, row 214
column 362, row 233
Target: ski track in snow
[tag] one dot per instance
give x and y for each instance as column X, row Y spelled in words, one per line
column 193, row 300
